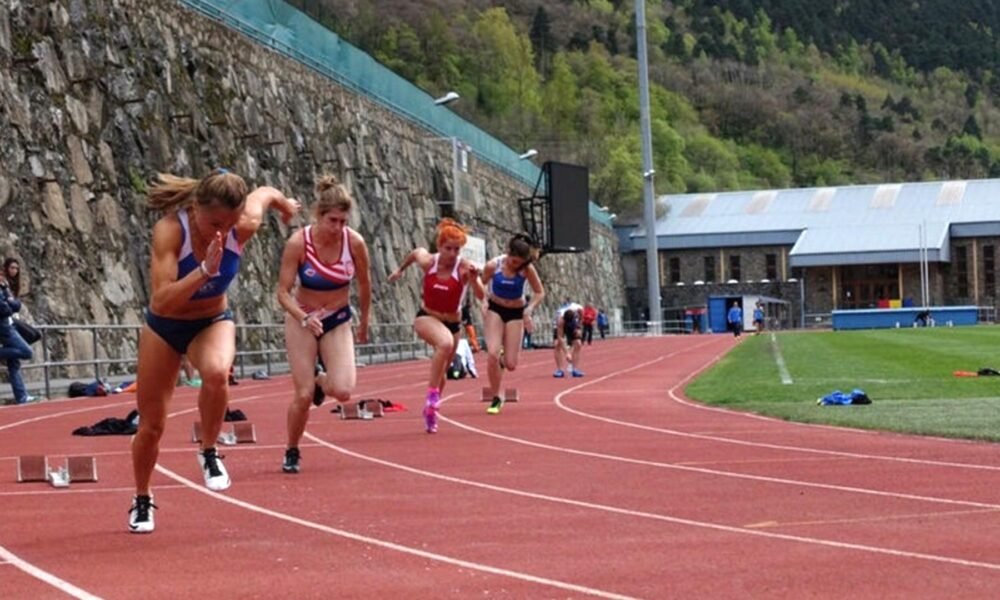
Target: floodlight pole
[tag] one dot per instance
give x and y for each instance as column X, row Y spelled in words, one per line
column 649, row 210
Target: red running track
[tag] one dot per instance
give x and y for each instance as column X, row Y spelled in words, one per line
column 610, row 486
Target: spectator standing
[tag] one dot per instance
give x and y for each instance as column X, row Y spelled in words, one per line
column 735, row 319
column 470, row 328
column 602, row 322
column 13, row 348
column 758, row 318
column 589, row 318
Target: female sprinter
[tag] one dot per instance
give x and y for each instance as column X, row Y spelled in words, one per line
column 439, row 320
column 324, row 257
column 508, row 312
column 196, row 252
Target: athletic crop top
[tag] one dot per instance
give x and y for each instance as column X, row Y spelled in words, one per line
column 443, row 295
column 508, row 288
column 228, row 268
column 314, row 274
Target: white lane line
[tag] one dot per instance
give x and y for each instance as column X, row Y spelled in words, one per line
column 672, row 392
column 667, row 518
column 60, row 584
column 706, row 471
column 392, row 545
column 786, row 377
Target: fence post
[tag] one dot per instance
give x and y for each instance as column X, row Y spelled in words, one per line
column 45, row 363
column 97, row 363
column 267, row 353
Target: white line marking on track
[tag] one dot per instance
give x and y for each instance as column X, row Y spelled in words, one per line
column 701, row 470
column 786, row 377
column 49, row 578
column 672, row 392
column 392, row 545
column 665, row 518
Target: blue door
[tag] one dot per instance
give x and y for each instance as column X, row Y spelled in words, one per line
column 717, row 313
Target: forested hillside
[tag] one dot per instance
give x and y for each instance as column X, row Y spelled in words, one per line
column 745, row 95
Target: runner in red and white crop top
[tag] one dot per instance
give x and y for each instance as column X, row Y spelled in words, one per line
column 446, row 276
column 444, row 296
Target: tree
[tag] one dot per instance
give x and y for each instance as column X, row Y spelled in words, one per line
column 560, row 97
column 541, row 40
column 504, row 67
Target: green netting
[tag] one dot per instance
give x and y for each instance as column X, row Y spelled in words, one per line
column 285, row 29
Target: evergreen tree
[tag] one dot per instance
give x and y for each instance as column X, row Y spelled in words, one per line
column 541, row 40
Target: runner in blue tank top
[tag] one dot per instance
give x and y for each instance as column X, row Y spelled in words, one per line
column 196, row 252
column 508, row 313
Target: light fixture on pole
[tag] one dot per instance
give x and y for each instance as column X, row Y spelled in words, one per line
column 528, row 154
column 447, row 98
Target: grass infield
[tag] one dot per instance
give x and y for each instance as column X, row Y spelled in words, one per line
column 908, row 374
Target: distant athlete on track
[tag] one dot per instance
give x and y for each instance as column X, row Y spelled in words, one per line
column 439, row 320
column 196, row 252
column 507, row 310
column 324, row 257
column 567, row 339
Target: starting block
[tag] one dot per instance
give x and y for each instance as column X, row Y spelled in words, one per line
column 32, row 468
column 509, row 395
column 374, row 406
column 75, row 468
column 240, row 432
column 356, row 410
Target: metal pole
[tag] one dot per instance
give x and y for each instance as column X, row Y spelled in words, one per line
column 649, row 212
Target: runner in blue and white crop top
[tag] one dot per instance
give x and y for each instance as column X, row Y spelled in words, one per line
column 508, row 288
column 218, row 284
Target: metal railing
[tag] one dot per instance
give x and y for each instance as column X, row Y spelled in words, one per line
column 109, row 352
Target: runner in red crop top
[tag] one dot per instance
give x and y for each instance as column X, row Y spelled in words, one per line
column 324, row 258
column 438, row 322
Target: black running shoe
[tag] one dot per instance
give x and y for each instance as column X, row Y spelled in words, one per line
column 318, row 395
column 291, row 464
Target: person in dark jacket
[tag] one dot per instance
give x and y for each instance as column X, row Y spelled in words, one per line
column 13, row 348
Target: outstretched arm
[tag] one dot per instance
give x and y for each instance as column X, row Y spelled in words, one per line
column 257, row 203
column 418, row 255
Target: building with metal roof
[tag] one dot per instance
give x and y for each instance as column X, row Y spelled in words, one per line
column 842, row 247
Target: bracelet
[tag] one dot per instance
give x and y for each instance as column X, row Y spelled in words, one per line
column 204, row 271
column 304, row 322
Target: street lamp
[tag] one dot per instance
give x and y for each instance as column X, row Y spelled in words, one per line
column 447, row 98
column 528, row 154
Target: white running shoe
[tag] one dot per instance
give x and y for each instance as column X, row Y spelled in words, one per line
column 140, row 516
column 216, row 477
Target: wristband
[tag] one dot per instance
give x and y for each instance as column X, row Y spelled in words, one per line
column 204, row 271
column 304, row 322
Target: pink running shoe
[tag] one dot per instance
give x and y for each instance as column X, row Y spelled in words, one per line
column 430, row 411
column 430, row 418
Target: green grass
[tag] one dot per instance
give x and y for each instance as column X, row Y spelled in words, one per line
column 906, row 372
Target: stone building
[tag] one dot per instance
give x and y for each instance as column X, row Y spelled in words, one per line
column 824, row 249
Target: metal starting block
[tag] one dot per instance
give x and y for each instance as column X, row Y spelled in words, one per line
column 374, row 406
column 355, row 410
column 509, row 395
column 75, row 468
column 32, row 468
column 239, row 432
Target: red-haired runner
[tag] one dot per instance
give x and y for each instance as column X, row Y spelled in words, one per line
column 447, row 277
